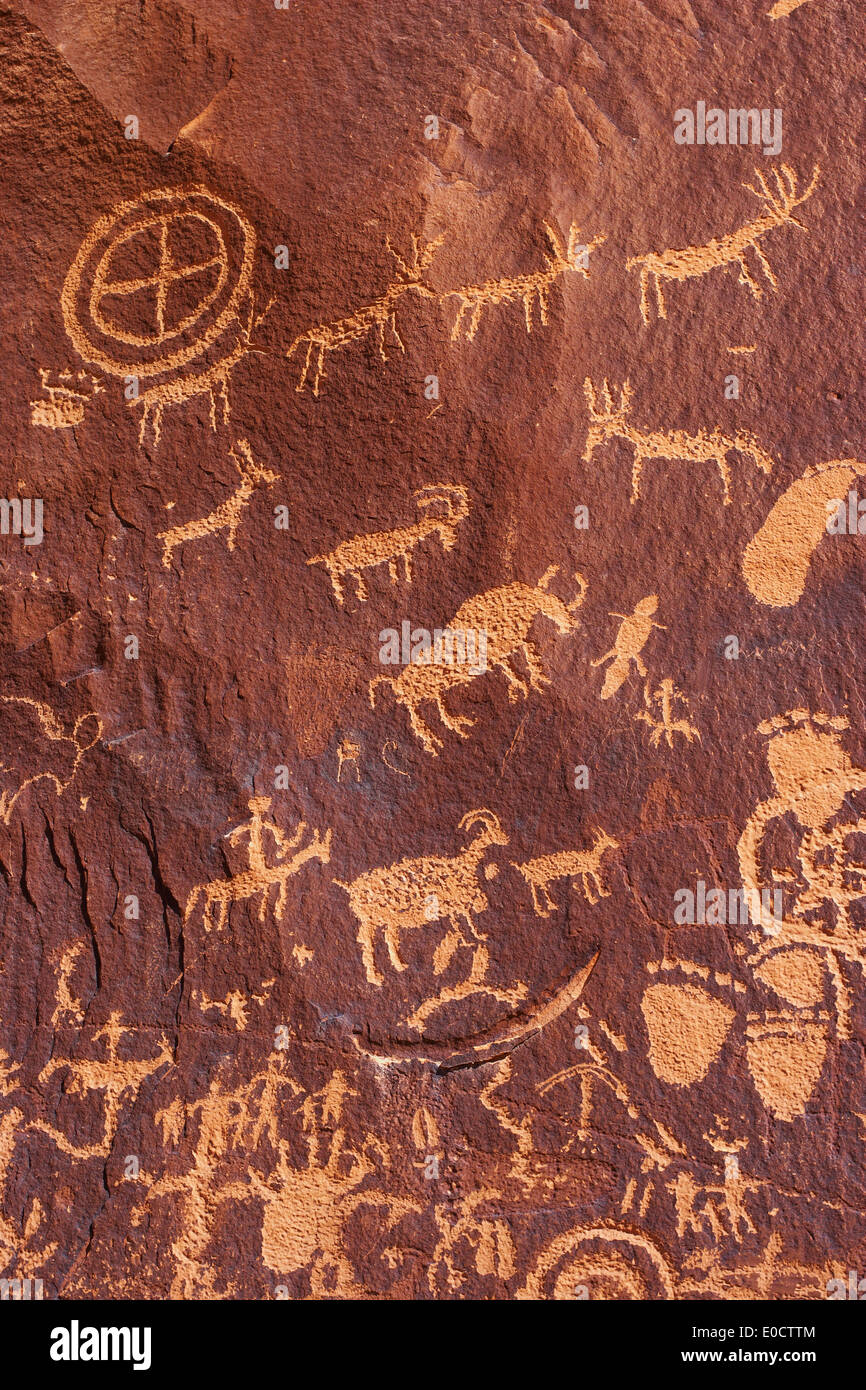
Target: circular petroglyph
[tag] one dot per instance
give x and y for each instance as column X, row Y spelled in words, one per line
column 159, row 281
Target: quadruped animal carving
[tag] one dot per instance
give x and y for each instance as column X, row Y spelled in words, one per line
column 529, row 289
column 609, row 422
column 260, row 876
column 413, row 893
column 389, row 547
column 324, row 338
column 695, row 261
column 505, row 616
column 583, row 864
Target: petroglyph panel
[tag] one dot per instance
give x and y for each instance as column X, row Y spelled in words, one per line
column 432, row 727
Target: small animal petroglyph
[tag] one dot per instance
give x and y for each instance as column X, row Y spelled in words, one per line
column 366, row 552
column 695, row 261
column 634, row 630
column 505, row 615
column 65, row 405
column 323, row 338
column 663, row 700
column 530, row 289
column 415, row 892
column 227, row 515
column 610, row 423
column 260, row 877
column 582, row 863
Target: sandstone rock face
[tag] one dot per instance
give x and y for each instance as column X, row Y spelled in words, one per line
column 433, row 786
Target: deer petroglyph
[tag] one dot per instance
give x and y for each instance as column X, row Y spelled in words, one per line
column 323, row 338
column 609, row 422
column 694, row 261
column 227, row 516
column 530, row 289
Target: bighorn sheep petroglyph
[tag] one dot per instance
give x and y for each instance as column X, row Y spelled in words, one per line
column 415, row 892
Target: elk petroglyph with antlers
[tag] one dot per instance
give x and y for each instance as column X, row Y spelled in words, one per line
column 694, row 261
column 582, row 863
column 609, row 422
column 367, row 552
column 505, row 615
column 376, row 317
column 227, row 516
column 530, row 289
column 416, row 892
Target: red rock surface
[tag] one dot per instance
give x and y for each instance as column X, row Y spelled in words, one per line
column 248, row 1051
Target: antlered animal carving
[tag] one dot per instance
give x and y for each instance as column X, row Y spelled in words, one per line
column 365, row 552
column 727, row 250
column 415, row 892
column 505, row 616
column 609, row 422
column 530, row 289
column 323, row 338
column 582, row 863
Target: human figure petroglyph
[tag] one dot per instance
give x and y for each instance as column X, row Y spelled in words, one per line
column 227, row 516
column 631, row 638
column 305, row 1202
column 728, row 250
column 376, row 317
column 414, row 893
column 663, row 700
column 53, row 730
column 116, row 1077
column 609, row 422
column 260, row 876
column 388, row 547
column 581, row 864
column 348, row 752
column 505, row 615
column 530, row 289
column 487, row 1236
